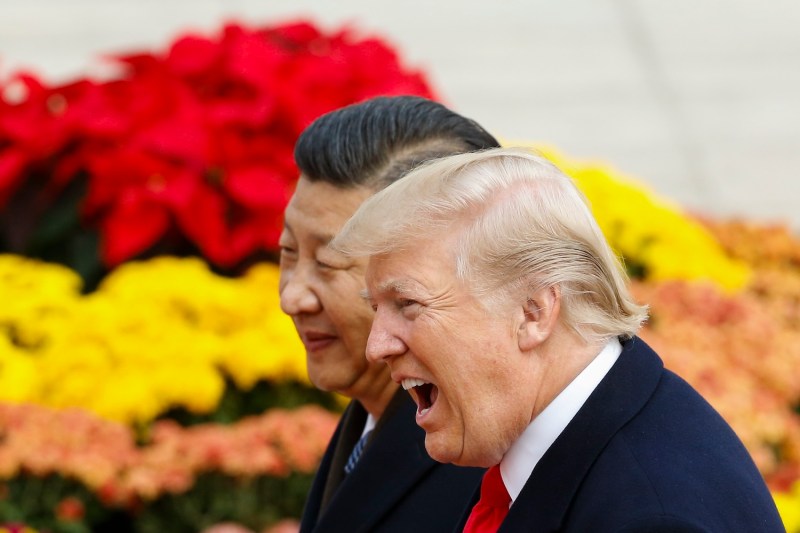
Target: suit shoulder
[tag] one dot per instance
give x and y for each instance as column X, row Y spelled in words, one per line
column 662, row 524
column 677, row 459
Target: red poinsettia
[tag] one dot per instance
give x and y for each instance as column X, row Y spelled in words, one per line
column 196, row 141
column 32, row 130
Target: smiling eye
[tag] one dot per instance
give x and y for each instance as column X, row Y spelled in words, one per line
column 406, row 303
column 326, row 260
column 287, row 255
column 326, row 266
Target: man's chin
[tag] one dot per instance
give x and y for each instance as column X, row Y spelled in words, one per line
column 324, row 384
column 331, row 383
column 440, row 451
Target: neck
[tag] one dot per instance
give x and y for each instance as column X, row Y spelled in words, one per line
column 375, row 404
column 564, row 357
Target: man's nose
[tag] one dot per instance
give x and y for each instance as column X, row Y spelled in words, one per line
column 382, row 344
column 297, row 293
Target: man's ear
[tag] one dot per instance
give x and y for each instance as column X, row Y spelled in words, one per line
column 540, row 313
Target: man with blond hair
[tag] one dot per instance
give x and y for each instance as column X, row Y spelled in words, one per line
column 503, row 311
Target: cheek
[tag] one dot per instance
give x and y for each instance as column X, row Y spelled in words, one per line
column 352, row 317
column 341, row 294
column 353, row 312
column 487, row 405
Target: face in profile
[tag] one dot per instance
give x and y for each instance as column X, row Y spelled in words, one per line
column 459, row 361
column 321, row 290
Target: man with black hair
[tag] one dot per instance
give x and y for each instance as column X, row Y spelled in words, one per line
column 376, row 474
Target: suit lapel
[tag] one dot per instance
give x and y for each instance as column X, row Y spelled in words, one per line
column 468, row 510
column 353, row 421
column 312, row 507
column 547, row 494
column 324, row 483
column 394, row 461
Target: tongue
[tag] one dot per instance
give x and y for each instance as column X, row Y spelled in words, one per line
column 427, row 395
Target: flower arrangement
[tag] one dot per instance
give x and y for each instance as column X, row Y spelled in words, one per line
column 184, row 151
column 92, row 472
column 181, row 153
column 155, row 336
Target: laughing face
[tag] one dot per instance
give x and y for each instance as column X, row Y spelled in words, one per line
column 473, row 385
column 321, row 290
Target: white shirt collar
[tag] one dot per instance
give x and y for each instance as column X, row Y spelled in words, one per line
column 369, row 425
column 520, row 460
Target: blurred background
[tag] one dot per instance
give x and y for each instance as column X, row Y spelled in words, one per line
column 699, row 99
column 149, row 381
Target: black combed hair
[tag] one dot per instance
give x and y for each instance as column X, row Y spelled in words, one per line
column 375, row 142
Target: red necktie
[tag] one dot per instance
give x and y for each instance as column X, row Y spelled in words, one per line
column 491, row 509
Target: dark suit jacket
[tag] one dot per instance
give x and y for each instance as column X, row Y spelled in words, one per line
column 395, row 486
column 644, row 453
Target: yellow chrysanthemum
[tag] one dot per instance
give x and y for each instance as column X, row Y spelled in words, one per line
column 789, row 507
column 156, row 335
column 19, row 380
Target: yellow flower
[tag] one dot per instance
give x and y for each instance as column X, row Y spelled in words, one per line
column 19, row 381
column 126, row 395
column 156, row 335
column 788, row 504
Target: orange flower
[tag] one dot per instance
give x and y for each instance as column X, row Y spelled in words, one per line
column 70, row 509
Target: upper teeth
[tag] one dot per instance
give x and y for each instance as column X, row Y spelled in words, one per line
column 412, row 382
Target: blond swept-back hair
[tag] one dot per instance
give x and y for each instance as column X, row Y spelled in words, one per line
column 522, row 225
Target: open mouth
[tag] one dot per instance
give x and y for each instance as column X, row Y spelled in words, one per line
column 423, row 393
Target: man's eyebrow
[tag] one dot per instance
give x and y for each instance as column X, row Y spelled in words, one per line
column 398, row 286
column 323, row 238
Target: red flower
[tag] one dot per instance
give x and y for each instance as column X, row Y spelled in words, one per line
column 197, row 141
column 12, row 162
column 32, row 130
column 70, row 509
